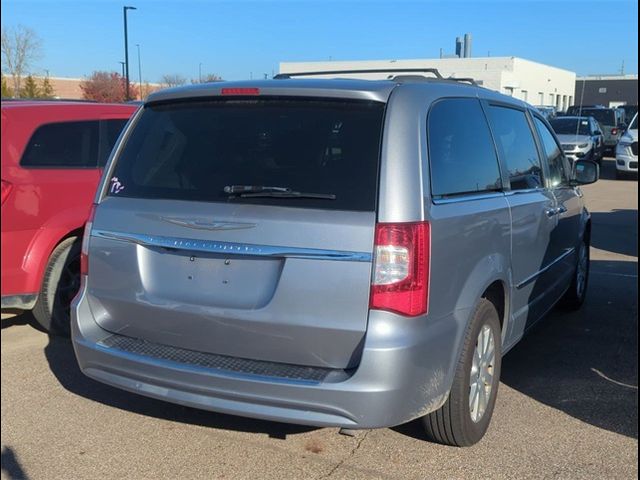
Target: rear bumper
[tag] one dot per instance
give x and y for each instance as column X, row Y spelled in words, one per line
column 405, row 371
column 19, row 302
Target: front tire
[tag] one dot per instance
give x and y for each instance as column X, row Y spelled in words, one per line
column 464, row 418
column 60, row 284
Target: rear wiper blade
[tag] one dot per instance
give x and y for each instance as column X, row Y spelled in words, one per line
column 290, row 194
column 246, row 191
column 233, row 189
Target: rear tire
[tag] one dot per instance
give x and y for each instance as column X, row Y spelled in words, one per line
column 60, row 284
column 575, row 296
column 460, row 421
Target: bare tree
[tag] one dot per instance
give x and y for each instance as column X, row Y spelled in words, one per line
column 173, row 80
column 208, row 78
column 21, row 46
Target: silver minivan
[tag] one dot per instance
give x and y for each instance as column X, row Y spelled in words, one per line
column 329, row 252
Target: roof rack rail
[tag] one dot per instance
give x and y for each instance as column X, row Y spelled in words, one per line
column 433, row 71
column 464, row 80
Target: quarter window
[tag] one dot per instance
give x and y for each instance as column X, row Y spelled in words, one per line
column 462, row 155
column 557, row 166
column 516, row 146
column 66, row 144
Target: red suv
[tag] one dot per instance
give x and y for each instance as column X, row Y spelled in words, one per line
column 52, row 157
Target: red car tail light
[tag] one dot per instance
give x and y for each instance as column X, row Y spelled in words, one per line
column 614, row 131
column 84, row 252
column 401, row 268
column 6, row 190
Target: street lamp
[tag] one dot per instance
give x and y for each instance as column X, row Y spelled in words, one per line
column 122, row 63
column 126, row 51
column 139, row 71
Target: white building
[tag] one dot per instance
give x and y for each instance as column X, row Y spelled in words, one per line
column 532, row 82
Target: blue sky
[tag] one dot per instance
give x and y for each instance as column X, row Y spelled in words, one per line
column 238, row 39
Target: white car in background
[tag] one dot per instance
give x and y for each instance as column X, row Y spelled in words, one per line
column 627, row 150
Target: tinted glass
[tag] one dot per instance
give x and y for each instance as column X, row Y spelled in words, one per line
column 461, row 152
column 571, row 126
column 603, row 116
column 110, row 133
column 516, row 146
column 558, row 169
column 634, row 123
column 192, row 150
column 68, row 144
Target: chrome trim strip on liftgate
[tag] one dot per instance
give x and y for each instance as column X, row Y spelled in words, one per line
column 229, row 248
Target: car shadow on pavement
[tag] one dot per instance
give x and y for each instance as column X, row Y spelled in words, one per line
column 616, row 232
column 583, row 363
column 10, row 465
column 62, row 362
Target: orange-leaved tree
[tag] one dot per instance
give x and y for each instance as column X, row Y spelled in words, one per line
column 107, row 87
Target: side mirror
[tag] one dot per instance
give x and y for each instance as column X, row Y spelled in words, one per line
column 585, row 172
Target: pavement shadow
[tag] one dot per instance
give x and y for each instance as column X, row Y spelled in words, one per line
column 616, row 231
column 582, row 363
column 10, row 465
column 62, row 362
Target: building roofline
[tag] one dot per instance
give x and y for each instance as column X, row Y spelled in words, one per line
column 631, row 76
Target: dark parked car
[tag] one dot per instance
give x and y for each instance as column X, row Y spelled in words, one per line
column 581, row 137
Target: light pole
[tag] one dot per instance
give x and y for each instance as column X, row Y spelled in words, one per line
column 126, row 51
column 139, row 71
column 122, row 63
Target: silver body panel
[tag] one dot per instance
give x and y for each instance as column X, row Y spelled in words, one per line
column 300, row 295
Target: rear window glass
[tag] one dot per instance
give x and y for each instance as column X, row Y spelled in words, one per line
column 193, row 150
column 605, row 117
column 65, row 144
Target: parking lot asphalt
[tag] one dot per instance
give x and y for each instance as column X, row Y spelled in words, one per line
column 567, row 405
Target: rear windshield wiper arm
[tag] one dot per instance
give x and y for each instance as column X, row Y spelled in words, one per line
column 248, row 191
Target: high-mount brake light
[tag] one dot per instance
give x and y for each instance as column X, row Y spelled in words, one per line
column 240, row 91
column 401, row 268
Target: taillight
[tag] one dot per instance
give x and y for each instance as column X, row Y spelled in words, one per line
column 401, row 268
column 614, row 131
column 240, row 91
column 84, row 252
column 6, row 190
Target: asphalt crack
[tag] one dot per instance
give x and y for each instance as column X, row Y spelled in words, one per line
column 351, row 454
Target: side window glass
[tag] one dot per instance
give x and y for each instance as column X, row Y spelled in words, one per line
column 111, row 132
column 461, row 152
column 557, row 168
column 67, row 144
column 516, row 146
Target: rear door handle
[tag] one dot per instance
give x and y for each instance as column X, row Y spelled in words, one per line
column 550, row 212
